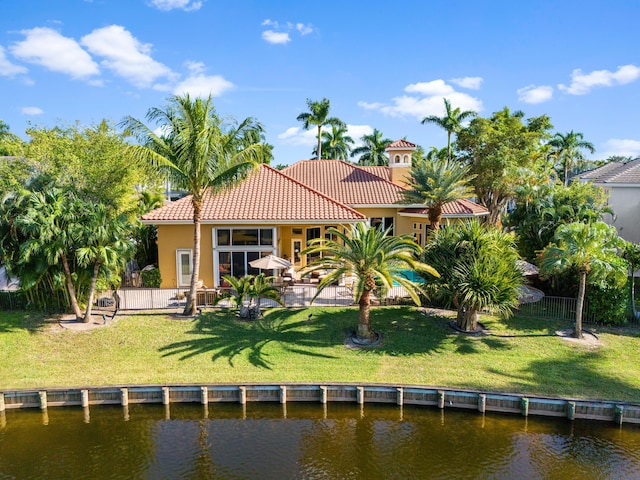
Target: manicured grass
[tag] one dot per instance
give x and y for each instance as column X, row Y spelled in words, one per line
column 286, row 347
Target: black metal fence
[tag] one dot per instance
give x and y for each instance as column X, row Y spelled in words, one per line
column 554, row 308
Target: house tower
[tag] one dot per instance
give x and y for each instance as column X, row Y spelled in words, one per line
column 400, row 153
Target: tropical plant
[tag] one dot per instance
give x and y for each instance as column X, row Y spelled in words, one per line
column 504, row 152
column 540, row 210
column 478, row 271
column 632, row 256
column 374, row 258
column 372, row 152
column 105, row 246
column 435, row 183
column 335, row 144
column 590, row 249
column 451, row 122
column 253, row 289
column 318, row 115
column 48, row 221
column 198, row 153
column 566, row 151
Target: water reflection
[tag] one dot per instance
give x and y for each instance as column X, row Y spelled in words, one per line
column 298, row 440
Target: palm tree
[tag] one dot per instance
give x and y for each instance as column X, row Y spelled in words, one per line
column 198, row 153
column 319, row 116
column 478, row 270
column 335, row 144
column 566, row 150
column 49, row 218
column 436, row 182
column 372, row 151
column 451, row 122
column 106, row 245
column 375, row 258
column 591, row 249
column 253, row 288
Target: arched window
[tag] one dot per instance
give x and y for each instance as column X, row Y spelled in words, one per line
column 406, row 159
column 397, row 159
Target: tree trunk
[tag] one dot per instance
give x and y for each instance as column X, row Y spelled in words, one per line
column 467, row 319
column 70, row 288
column 364, row 324
column 577, row 332
column 319, row 142
column 634, row 311
column 92, row 290
column 190, row 307
column 435, row 213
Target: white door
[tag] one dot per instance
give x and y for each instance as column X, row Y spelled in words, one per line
column 184, row 267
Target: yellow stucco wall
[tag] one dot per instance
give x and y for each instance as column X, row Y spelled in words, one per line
column 174, row 237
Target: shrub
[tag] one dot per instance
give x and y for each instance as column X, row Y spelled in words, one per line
column 151, row 278
column 608, row 304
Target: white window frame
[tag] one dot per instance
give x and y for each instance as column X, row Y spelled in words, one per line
column 179, row 253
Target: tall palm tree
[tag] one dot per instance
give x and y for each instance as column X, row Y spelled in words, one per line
column 436, row 182
column 451, row 122
column 591, row 249
column 372, row 151
column 318, row 115
column 566, row 150
column 375, row 258
column 336, row 145
column 197, row 152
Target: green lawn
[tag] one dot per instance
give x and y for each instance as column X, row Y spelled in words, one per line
column 285, row 347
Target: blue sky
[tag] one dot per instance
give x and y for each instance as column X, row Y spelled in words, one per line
column 383, row 65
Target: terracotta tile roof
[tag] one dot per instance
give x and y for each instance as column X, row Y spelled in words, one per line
column 458, row 208
column 344, row 182
column 266, row 196
column 380, row 171
column 615, row 172
column 402, row 144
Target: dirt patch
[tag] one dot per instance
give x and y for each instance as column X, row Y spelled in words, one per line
column 69, row 322
column 589, row 339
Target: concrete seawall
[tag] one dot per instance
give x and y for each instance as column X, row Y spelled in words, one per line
column 525, row 405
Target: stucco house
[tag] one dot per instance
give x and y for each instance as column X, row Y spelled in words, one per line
column 622, row 182
column 278, row 212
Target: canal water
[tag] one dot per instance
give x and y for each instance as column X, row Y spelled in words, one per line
column 308, row 441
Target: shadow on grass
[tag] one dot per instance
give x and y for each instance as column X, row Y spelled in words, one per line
column 225, row 337
column 31, row 321
column 406, row 331
column 574, row 376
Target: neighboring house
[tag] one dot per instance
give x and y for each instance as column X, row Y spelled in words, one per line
column 278, row 212
column 622, row 183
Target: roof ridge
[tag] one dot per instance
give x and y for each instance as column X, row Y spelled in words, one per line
column 307, row 187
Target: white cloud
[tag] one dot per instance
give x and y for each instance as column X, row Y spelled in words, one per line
column 296, row 136
column 199, row 85
column 434, row 87
column 46, row 47
column 276, row 37
column 126, row 56
column 472, row 83
column 186, row 5
column 304, row 29
column 8, row 69
column 32, row 111
column 426, row 101
column 582, row 83
column 622, row 147
column 371, row 105
column 534, row 94
column 279, row 34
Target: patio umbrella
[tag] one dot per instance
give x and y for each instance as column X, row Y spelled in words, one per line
column 270, row 262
